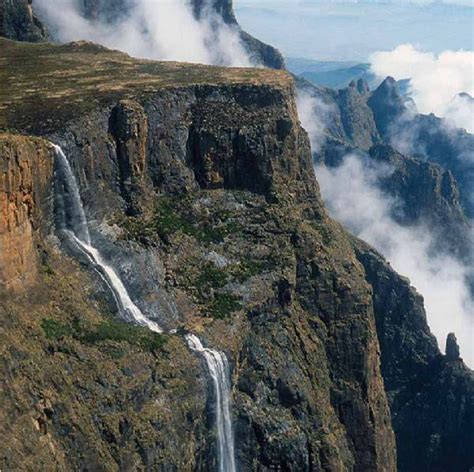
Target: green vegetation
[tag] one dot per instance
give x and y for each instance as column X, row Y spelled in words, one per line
column 223, row 305
column 250, row 267
column 105, row 331
column 173, row 215
column 210, row 277
column 55, row 330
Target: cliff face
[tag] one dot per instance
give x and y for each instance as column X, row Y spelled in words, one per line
column 18, row 21
column 25, row 182
column 199, row 186
column 426, row 136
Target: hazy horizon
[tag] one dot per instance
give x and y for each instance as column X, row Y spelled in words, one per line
column 350, row 31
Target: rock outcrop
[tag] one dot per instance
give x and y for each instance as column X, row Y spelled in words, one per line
column 387, row 105
column 19, row 22
column 25, row 182
column 356, row 117
column 425, row 136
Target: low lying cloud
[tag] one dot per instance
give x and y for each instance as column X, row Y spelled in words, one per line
column 353, row 197
column 315, row 116
column 153, row 29
column 435, row 80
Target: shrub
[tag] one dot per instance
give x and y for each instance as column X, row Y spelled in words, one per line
column 223, row 305
column 105, row 331
column 55, row 330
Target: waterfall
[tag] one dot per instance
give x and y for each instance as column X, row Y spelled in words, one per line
column 219, row 370
column 71, row 220
column 70, row 205
column 73, row 223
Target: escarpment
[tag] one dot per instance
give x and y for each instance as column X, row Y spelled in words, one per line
column 199, row 190
column 430, row 395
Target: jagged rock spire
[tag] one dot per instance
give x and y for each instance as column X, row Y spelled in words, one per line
column 387, row 104
column 452, row 348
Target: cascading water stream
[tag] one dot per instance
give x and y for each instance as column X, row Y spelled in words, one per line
column 73, row 223
column 219, row 370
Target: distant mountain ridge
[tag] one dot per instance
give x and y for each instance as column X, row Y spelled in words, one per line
column 334, row 74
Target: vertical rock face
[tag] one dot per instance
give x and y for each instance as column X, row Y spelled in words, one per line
column 129, row 128
column 428, row 194
column 25, row 182
column 18, row 21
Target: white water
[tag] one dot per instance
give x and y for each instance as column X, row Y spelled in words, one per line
column 79, row 234
column 77, row 230
column 219, row 370
column 79, row 221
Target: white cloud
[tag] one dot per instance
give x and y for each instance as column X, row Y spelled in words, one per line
column 314, row 116
column 154, row 29
column 435, row 80
column 365, row 211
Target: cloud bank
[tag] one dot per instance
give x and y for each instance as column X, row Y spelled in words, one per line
column 436, row 80
column 365, row 210
column 153, row 29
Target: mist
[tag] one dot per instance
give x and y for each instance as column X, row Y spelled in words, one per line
column 315, row 115
column 152, row 29
column 365, row 211
column 436, row 80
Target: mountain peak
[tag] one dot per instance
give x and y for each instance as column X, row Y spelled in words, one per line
column 387, row 104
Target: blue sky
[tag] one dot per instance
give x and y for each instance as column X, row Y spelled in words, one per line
column 336, row 30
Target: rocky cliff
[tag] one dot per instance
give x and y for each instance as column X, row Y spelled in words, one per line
column 19, row 22
column 25, row 183
column 425, row 136
column 199, row 188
